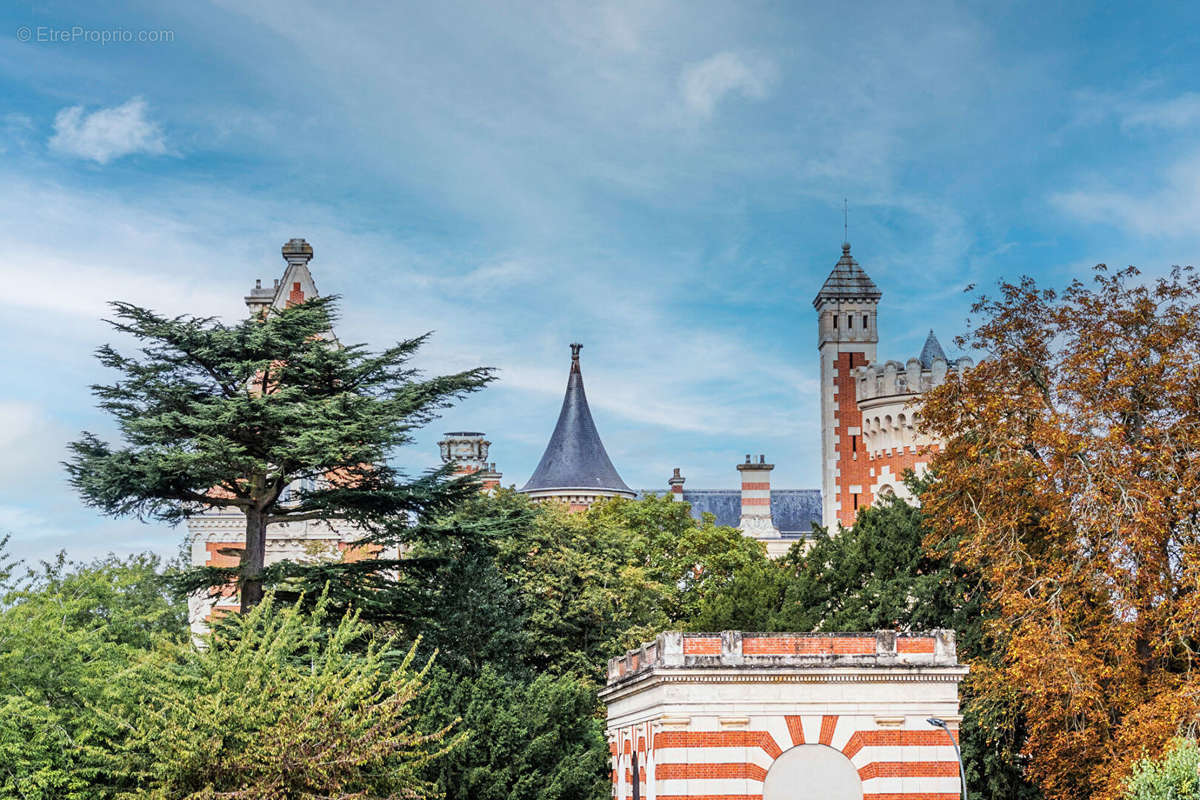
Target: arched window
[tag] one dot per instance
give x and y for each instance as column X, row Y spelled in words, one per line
column 812, row 770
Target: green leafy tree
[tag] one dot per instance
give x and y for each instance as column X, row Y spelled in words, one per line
column 1176, row 776
column 272, row 417
column 278, row 706
column 66, row 631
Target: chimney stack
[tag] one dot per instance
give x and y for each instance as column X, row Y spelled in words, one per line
column 756, row 499
column 676, row 484
column 259, row 299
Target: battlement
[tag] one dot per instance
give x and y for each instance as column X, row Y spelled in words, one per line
column 775, row 650
column 910, row 378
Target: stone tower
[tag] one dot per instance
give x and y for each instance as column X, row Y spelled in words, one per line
column 847, row 337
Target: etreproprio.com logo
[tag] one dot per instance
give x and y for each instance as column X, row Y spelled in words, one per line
column 79, row 34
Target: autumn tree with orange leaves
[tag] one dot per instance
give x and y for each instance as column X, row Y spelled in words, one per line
column 1070, row 483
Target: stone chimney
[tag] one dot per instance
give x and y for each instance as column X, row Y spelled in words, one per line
column 466, row 450
column 676, row 484
column 260, row 299
column 756, row 499
column 489, row 478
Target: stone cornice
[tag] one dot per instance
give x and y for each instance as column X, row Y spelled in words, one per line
column 767, row 675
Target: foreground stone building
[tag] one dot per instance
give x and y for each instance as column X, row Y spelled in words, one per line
column 752, row 716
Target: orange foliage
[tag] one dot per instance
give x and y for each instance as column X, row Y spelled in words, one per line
column 1071, row 483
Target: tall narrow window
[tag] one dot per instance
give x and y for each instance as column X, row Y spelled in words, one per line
column 849, row 320
column 835, row 316
column 866, row 323
column 854, row 444
column 856, row 502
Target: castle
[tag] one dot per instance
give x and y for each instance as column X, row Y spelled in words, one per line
column 869, row 437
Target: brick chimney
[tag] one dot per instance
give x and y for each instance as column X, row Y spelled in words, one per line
column 756, row 498
column 489, row 479
column 676, row 484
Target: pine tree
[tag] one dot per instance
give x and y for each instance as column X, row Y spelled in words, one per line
column 272, row 417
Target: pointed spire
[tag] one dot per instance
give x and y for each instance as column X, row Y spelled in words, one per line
column 848, row 281
column 575, row 457
column 297, row 284
column 931, row 350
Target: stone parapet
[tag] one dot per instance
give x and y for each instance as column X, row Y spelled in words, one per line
column 774, row 650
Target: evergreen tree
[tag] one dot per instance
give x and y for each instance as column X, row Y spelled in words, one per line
column 272, row 417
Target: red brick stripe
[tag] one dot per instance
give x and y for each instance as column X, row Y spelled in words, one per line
column 756, row 501
column 862, row 739
column 807, row 645
column 706, row 646
column 915, row 644
column 828, row 726
column 666, row 772
column 763, row 739
column 755, row 486
column 796, row 729
column 909, row 769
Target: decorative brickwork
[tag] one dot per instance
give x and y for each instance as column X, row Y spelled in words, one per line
column 724, row 712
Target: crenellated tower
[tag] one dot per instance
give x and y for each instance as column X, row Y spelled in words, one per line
column 847, row 338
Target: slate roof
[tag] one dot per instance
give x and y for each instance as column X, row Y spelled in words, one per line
column 931, row 350
column 575, row 457
column 793, row 511
column 847, row 282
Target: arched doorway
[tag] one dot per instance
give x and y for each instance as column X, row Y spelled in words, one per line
column 812, row 771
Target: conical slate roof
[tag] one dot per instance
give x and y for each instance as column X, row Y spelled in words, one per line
column 575, row 457
column 847, row 282
column 931, row 350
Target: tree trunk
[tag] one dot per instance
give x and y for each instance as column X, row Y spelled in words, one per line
column 250, row 578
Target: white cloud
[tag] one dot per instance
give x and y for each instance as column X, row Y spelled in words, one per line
column 1172, row 208
column 1174, row 114
column 706, row 83
column 107, row 133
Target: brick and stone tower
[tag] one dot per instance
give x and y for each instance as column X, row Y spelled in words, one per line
column 575, row 469
column 892, row 441
column 847, row 337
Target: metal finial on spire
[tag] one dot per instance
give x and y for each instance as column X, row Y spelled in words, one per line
column 845, row 221
column 575, row 348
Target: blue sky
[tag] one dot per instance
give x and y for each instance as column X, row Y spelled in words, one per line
column 662, row 181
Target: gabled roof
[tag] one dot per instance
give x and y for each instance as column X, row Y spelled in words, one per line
column 575, row 457
column 297, row 284
column 847, row 282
